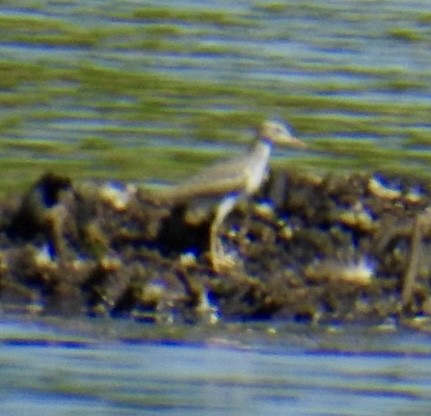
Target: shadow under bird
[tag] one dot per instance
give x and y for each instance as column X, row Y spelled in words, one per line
column 229, row 181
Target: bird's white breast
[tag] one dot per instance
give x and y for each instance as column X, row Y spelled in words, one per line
column 256, row 171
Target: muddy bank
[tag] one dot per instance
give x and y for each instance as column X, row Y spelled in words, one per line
column 308, row 248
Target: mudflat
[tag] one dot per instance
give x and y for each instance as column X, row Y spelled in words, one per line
column 309, row 248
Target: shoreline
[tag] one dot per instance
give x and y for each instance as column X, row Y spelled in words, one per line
column 318, row 249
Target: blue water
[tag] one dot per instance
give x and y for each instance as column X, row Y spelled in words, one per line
column 47, row 370
column 305, row 50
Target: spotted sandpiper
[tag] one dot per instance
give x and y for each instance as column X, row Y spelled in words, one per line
column 229, row 181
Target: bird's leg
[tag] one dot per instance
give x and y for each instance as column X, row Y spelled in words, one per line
column 218, row 259
column 244, row 228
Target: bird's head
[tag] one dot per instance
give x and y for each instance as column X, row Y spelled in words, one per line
column 278, row 133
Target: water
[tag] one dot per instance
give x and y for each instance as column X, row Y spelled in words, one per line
column 52, row 371
column 193, row 74
column 76, row 71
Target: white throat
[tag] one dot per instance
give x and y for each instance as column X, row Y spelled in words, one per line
column 257, row 169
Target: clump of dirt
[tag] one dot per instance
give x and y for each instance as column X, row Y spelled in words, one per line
column 345, row 247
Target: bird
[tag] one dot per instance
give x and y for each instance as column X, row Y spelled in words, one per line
column 230, row 181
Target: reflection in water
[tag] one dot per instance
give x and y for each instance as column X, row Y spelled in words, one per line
column 47, row 371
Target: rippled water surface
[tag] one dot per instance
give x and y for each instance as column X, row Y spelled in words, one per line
column 155, row 89
column 233, row 371
column 88, row 88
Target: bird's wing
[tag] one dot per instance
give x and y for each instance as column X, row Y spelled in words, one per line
column 219, row 179
column 207, row 188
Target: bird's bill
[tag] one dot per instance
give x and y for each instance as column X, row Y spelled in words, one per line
column 294, row 142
